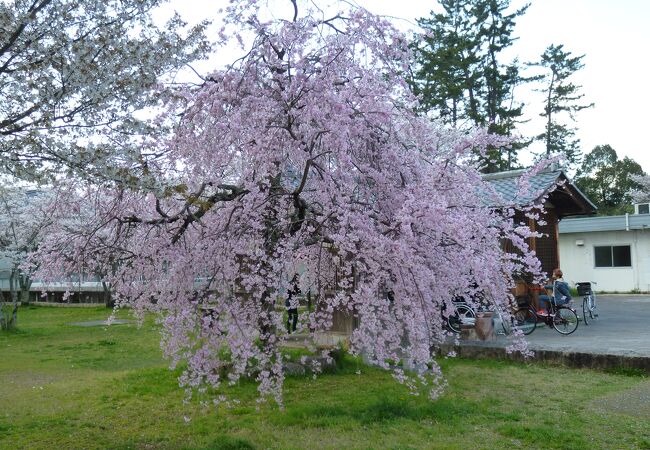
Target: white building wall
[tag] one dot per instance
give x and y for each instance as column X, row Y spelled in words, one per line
column 578, row 261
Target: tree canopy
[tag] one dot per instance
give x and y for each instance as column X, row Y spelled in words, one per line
column 304, row 156
column 459, row 74
column 462, row 77
column 23, row 223
column 72, row 74
column 608, row 180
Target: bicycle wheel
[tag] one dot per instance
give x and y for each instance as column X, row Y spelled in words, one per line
column 462, row 312
column 565, row 321
column 525, row 320
column 586, row 310
column 593, row 309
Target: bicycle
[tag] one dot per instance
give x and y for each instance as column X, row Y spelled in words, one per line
column 523, row 319
column 589, row 307
column 463, row 313
column 561, row 317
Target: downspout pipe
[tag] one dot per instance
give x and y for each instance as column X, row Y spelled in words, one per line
column 627, row 221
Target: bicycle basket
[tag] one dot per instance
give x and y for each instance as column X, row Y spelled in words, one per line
column 583, row 289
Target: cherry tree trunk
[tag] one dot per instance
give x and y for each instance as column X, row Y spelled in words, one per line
column 25, row 282
column 10, row 313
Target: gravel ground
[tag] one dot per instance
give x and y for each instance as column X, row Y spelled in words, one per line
column 634, row 401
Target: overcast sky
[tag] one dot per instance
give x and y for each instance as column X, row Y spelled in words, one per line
column 614, row 36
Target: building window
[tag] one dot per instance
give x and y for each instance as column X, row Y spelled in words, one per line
column 643, row 208
column 613, row 256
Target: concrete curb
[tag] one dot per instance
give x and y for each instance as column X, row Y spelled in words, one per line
column 571, row 359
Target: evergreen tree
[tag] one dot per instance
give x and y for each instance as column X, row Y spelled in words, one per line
column 562, row 98
column 500, row 109
column 447, row 76
column 459, row 76
column 607, row 180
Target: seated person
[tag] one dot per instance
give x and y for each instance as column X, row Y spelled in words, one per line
column 560, row 290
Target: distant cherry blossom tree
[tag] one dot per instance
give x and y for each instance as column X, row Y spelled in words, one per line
column 72, row 71
column 23, row 219
column 643, row 193
column 305, row 156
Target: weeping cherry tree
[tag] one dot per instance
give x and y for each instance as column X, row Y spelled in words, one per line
column 303, row 157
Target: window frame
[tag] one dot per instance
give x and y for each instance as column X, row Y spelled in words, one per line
column 611, row 256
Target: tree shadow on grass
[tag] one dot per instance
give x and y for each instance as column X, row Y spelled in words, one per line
column 379, row 411
column 222, row 442
column 230, row 443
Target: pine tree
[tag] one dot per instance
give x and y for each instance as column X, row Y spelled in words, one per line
column 563, row 98
column 499, row 108
column 447, row 74
column 459, row 76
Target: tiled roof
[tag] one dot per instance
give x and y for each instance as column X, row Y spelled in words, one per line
column 508, row 189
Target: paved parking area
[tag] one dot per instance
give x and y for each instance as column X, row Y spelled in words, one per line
column 622, row 328
column 619, row 338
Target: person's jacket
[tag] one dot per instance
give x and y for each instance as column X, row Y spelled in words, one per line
column 561, row 292
column 291, row 301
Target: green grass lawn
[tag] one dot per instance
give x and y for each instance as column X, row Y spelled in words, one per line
column 64, row 386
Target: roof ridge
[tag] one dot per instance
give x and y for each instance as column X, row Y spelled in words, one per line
column 505, row 174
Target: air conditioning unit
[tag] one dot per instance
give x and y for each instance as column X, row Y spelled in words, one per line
column 642, row 208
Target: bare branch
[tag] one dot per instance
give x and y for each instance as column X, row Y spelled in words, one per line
column 295, row 10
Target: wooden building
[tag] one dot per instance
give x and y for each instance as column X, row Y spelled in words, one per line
column 561, row 198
